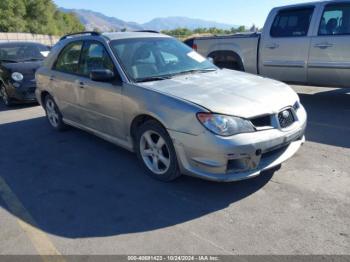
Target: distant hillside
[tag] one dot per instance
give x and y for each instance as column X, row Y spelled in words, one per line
column 94, row 20
column 170, row 23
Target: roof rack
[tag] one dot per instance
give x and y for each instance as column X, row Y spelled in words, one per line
column 147, row 31
column 93, row 33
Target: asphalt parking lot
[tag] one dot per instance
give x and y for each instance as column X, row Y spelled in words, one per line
column 72, row 193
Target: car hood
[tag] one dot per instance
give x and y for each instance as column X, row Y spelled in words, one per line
column 25, row 68
column 229, row 92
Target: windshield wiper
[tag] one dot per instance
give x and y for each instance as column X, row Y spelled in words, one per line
column 32, row 59
column 165, row 77
column 192, row 71
column 152, row 78
column 8, row 61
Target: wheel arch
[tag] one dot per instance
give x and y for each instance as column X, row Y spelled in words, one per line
column 227, row 59
column 43, row 94
column 139, row 120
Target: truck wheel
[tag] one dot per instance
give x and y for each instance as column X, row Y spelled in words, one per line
column 156, row 152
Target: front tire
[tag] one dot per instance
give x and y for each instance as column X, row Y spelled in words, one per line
column 156, row 152
column 53, row 114
column 5, row 98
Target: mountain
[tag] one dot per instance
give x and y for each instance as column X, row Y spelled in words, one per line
column 169, row 23
column 94, row 20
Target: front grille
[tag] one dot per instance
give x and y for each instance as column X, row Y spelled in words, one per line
column 237, row 165
column 28, row 76
column 286, row 118
column 31, row 89
column 261, row 121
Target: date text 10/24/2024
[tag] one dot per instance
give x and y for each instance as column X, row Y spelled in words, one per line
column 173, row 258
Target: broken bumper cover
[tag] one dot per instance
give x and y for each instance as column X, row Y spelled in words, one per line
column 239, row 157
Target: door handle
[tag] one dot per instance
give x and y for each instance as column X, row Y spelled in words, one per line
column 272, row 46
column 81, row 84
column 323, row 45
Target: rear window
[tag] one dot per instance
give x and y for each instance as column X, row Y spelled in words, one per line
column 292, row 22
column 23, row 52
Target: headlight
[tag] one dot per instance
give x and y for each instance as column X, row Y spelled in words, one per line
column 17, row 76
column 225, row 125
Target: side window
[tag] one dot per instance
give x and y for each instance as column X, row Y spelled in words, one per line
column 68, row 60
column 335, row 20
column 292, row 23
column 95, row 57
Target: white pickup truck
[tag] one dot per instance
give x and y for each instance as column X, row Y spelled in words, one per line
column 305, row 43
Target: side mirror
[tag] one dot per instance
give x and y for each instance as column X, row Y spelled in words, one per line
column 102, row 75
column 210, row 59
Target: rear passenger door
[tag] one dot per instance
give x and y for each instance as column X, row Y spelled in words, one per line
column 329, row 62
column 64, row 81
column 101, row 101
column 285, row 46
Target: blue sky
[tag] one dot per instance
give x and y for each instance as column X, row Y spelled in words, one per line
column 227, row 11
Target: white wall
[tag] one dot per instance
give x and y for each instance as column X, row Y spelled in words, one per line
column 43, row 39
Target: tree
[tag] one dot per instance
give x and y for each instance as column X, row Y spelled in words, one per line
column 36, row 16
column 253, row 28
column 242, row 29
column 39, row 17
column 12, row 16
column 185, row 33
column 68, row 23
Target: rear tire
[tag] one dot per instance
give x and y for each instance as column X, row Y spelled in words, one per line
column 53, row 114
column 156, row 152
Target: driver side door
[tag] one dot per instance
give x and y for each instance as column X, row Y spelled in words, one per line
column 101, row 101
column 329, row 62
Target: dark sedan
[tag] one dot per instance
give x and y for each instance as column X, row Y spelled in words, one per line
column 18, row 64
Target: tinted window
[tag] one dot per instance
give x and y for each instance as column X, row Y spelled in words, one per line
column 335, row 20
column 68, row 60
column 292, row 23
column 95, row 57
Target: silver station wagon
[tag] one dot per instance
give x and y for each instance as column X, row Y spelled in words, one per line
column 155, row 96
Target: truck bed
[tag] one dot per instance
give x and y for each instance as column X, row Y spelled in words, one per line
column 242, row 47
column 238, row 35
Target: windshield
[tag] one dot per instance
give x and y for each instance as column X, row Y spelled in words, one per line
column 158, row 58
column 23, row 52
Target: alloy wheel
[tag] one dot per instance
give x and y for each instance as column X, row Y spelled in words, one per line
column 52, row 113
column 155, row 152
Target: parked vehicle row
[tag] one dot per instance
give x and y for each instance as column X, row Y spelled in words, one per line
column 305, row 43
column 18, row 64
column 155, row 96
